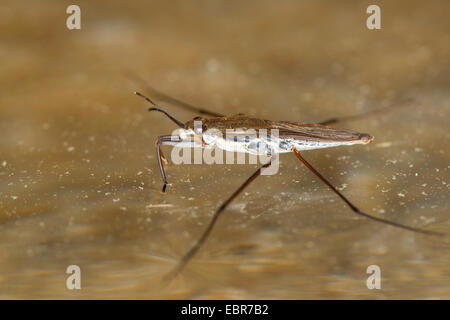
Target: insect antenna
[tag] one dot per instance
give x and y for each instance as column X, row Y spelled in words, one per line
column 157, row 108
column 169, row 99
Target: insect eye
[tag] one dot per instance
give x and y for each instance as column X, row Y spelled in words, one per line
column 201, row 130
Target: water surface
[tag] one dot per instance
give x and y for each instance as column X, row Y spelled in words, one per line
column 79, row 182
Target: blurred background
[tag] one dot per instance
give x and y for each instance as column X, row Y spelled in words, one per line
column 79, row 182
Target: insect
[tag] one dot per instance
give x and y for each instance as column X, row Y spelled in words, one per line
column 293, row 137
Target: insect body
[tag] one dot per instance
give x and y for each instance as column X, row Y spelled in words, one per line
column 290, row 134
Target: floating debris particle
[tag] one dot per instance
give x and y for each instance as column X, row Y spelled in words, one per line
column 160, row 205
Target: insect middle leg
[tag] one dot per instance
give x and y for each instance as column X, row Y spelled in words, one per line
column 188, row 256
column 384, row 110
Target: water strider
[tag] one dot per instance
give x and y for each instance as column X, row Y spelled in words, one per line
column 292, row 137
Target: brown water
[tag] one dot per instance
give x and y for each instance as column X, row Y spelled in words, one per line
column 79, row 183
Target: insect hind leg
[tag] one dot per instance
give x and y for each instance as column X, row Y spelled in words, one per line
column 356, row 209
